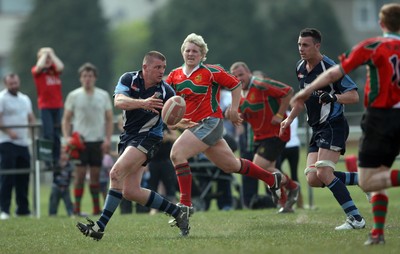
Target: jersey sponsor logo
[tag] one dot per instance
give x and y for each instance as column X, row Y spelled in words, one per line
column 51, row 81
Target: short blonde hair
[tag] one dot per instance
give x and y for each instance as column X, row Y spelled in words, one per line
column 239, row 64
column 197, row 40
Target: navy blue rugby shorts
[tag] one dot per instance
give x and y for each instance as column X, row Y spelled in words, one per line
column 148, row 144
column 331, row 135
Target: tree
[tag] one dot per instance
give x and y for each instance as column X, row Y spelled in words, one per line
column 128, row 51
column 228, row 27
column 262, row 33
column 286, row 21
column 78, row 33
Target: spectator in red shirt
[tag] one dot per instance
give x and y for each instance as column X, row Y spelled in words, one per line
column 46, row 74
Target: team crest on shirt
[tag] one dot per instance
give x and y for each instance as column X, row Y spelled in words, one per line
column 198, row 78
column 135, row 88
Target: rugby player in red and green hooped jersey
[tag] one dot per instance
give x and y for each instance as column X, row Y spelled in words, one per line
column 201, row 90
column 200, row 85
column 263, row 104
column 380, row 141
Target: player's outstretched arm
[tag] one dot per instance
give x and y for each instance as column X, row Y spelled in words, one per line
column 124, row 102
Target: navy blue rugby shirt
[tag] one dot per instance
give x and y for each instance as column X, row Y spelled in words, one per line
column 318, row 113
column 141, row 121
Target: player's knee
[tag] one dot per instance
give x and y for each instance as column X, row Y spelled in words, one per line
column 313, row 180
column 325, row 163
column 232, row 167
column 172, row 156
column 365, row 185
column 115, row 174
column 310, row 169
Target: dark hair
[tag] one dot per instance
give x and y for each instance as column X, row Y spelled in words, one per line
column 312, row 32
column 88, row 67
column 153, row 54
column 390, row 16
column 9, row 75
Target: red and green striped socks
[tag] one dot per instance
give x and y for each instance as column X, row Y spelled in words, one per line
column 379, row 209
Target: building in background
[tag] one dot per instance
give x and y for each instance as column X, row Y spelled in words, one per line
column 13, row 12
column 358, row 18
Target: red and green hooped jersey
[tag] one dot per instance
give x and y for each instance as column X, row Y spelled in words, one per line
column 382, row 57
column 260, row 104
column 201, row 90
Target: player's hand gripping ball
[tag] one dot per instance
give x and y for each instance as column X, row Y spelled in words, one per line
column 173, row 110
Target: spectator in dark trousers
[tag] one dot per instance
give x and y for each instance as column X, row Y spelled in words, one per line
column 60, row 187
column 46, row 75
column 15, row 109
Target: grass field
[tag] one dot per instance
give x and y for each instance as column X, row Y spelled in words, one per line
column 239, row 231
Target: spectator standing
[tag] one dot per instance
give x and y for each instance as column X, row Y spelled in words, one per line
column 88, row 111
column 15, row 109
column 46, row 74
column 60, row 187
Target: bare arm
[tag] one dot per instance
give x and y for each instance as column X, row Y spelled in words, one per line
column 296, row 110
column 40, row 64
column 10, row 132
column 31, row 120
column 331, row 75
column 232, row 112
column 285, row 101
column 109, row 130
column 57, row 62
column 348, row 97
column 66, row 124
column 124, row 102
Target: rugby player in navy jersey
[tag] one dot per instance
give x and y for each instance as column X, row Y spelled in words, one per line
column 329, row 126
column 141, row 95
column 380, row 141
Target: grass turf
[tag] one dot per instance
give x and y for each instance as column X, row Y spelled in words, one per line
column 238, row 231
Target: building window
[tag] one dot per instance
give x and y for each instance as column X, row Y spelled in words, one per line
column 365, row 16
column 15, row 6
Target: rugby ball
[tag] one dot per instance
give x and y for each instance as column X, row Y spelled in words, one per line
column 173, row 110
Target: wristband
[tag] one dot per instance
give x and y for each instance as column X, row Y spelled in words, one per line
column 279, row 115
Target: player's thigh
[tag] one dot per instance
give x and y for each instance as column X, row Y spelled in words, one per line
column 129, row 162
column 223, row 157
column 186, row 146
column 264, row 163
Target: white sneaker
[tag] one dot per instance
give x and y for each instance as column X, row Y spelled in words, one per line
column 351, row 223
column 4, row 216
